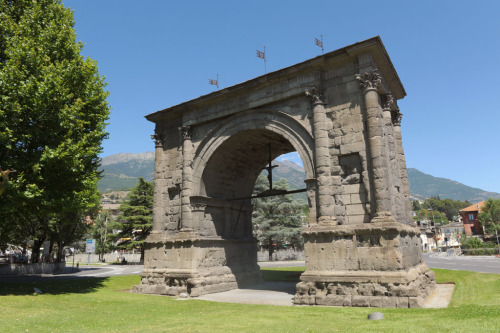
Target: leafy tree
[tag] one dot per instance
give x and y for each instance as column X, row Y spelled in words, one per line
column 471, row 242
column 416, row 205
column 448, row 207
column 433, row 215
column 277, row 219
column 490, row 217
column 52, row 117
column 102, row 232
column 137, row 216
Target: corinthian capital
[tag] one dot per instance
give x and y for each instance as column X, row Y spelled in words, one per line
column 369, row 80
column 186, row 132
column 389, row 101
column 397, row 116
column 315, row 96
column 158, row 139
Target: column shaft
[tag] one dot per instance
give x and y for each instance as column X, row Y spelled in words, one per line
column 325, row 202
column 158, row 203
column 186, row 220
column 375, row 132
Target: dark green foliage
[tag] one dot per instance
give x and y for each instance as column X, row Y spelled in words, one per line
column 416, row 205
column 277, row 220
column 447, row 206
column 471, row 242
column 490, row 218
column 283, row 274
column 442, row 210
column 52, row 117
column 137, row 216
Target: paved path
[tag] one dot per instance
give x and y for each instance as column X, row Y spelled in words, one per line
column 281, row 293
column 269, row 293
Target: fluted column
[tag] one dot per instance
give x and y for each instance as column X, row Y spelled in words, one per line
column 369, row 82
column 396, row 119
column 391, row 153
column 158, row 203
column 186, row 221
column 325, row 200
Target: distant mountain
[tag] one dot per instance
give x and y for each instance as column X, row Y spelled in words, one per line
column 121, row 172
column 423, row 186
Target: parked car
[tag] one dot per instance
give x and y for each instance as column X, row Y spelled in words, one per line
column 4, row 259
column 19, row 259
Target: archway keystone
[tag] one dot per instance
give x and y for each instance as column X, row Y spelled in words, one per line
column 339, row 112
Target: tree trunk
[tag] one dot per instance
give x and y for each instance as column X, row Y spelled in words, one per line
column 35, row 251
column 270, row 249
column 60, row 246
column 49, row 256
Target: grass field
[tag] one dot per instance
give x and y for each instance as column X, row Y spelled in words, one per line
column 104, row 305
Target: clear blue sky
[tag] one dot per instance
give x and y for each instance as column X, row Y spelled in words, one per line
column 156, row 54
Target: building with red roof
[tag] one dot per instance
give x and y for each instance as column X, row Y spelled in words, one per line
column 469, row 215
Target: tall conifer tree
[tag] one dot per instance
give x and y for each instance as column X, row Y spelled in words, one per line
column 277, row 220
column 137, row 216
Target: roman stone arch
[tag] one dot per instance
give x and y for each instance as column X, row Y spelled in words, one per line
column 339, row 112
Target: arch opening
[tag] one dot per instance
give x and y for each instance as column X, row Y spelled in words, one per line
column 228, row 179
column 233, row 168
column 225, row 189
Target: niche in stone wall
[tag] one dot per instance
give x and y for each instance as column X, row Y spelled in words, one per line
column 354, row 194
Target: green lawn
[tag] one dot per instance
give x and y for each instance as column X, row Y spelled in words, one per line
column 103, row 305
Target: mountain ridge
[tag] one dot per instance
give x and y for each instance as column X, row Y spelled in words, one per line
column 121, row 172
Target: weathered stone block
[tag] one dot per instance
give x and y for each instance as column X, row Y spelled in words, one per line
column 402, row 302
column 350, row 189
column 355, row 210
column 360, row 301
column 377, row 301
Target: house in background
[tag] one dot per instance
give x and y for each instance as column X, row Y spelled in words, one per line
column 472, row 226
column 451, row 233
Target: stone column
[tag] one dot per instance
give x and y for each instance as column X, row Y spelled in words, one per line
column 158, row 203
column 312, row 194
column 324, row 198
column 389, row 101
column 186, row 221
column 197, row 215
column 369, row 82
column 391, row 152
column 405, row 190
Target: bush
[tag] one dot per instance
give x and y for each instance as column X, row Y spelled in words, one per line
column 472, row 243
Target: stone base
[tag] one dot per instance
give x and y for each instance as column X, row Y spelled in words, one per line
column 365, row 265
column 404, row 289
column 198, row 266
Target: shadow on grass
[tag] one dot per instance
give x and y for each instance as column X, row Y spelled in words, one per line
column 281, row 275
column 52, row 286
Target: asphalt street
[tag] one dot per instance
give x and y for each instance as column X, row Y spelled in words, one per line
column 84, row 271
column 483, row 264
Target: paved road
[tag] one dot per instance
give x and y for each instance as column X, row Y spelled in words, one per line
column 83, row 272
column 483, row 264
